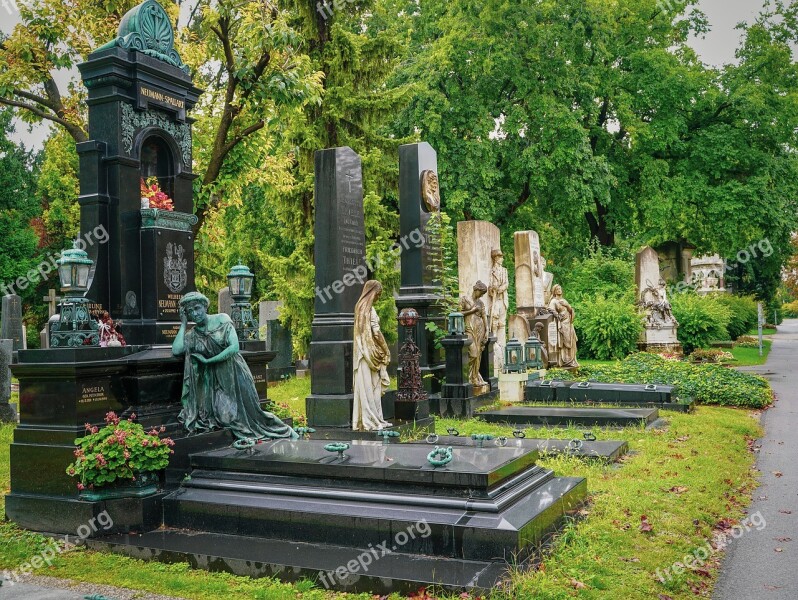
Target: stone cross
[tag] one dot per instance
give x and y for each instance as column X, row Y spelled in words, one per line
column 52, row 301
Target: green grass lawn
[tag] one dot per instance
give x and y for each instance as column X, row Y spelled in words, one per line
column 768, row 331
column 685, row 479
column 746, row 357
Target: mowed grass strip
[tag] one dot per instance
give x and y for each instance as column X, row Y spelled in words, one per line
column 685, row 480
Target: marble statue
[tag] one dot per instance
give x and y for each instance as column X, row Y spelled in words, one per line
column 498, row 303
column 564, row 314
column 370, row 361
column 654, row 300
column 218, row 388
column 476, row 328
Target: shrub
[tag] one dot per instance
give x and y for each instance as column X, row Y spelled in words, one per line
column 601, row 273
column 790, row 310
column 706, row 384
column 607, row 329
column 743, row 316
column 747, row 341
column 712, row 355
column 702, row 319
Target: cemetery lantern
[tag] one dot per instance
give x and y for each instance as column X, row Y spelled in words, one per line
column 456, row 323
column 239, row 279
column 533, row 351
column 75, row 327
column 514, row 357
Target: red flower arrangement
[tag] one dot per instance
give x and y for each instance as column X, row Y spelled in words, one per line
column 151, row 190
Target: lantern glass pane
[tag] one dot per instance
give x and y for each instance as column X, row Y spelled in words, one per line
column 65, row 274
column 246, row 286
column 83, row 276
column 235, row 285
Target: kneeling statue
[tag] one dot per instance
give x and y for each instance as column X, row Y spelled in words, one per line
column 218, row 388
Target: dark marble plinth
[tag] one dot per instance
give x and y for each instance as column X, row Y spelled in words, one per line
column 618, row 394
column 451, row 406
column 608, row 450
column 586, row 417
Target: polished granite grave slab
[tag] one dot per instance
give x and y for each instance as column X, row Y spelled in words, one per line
column 618, row 394
column 583, row 417
column 608, row 450
column 487, row 509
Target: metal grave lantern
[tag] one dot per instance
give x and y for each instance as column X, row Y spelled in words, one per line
column 533, row 352
column 75, row 327
column 514, row 357
column 240, row 281
column 456, row 323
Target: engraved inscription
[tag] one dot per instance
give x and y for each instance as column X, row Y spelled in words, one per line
column 93, row 393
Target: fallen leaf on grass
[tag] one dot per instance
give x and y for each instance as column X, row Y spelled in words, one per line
column 577, row 584
column 664, row 597
column 645, row 525
column 684, row 438
column 678, row 489
column 632, row 560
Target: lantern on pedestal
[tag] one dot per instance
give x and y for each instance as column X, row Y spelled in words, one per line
column 75, row 327
column 239, row 279
column 533, row 352
column 514, row 357
column 456, row 323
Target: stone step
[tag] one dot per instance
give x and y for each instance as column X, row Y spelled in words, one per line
column 527, row 416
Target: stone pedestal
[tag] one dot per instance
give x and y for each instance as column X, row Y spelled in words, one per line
column 11, row 321
column 511, row 386
column 340, row 251
column 278, row 340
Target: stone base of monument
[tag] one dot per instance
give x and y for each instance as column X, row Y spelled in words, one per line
column 660, row 341
column 511, row 386
column 606, row 450
column 60, row 391
column 548, row 416
column 378, row 518
column 458, row 401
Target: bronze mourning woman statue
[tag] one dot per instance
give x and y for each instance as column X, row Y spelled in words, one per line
column 218, row 388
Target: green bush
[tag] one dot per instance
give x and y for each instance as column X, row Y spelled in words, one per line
column 743, row 314
column 704, row 383
column 702, row 319
column 790, row 310
column 603, row 274
column 607, row 329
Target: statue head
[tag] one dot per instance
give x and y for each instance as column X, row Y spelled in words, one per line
column 195, row 305
column 556, row 290
column 497, row 256
column 480, row 289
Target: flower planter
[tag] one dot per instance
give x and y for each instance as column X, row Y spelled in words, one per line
column 146, row 484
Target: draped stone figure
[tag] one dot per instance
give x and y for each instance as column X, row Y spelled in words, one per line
column 370, row 360
column 564, row 313
column 218, row 388
column 476, row 328
column 499, row 302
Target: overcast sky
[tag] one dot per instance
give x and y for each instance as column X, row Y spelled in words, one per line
column 717, row 48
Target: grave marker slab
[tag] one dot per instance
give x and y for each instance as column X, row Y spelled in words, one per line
column 11, row 326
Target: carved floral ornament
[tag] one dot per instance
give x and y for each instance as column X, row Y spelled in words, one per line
column 148, row 29
column 134, row 121
column 430, row 190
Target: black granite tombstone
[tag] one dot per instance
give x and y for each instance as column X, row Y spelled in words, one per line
column 11, row 326
column 139, row 133
column 340, row 252
column 421, row 255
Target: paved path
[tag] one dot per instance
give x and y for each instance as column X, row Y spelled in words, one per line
column 754, row 567
column 32, row 587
